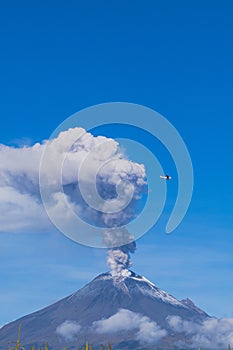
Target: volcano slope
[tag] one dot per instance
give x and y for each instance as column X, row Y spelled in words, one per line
column 128, row 311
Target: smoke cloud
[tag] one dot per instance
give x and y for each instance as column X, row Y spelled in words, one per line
column 100, row 163
column 99, row 183
column 119, row 257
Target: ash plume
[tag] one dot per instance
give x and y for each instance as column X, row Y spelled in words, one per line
column 118, row 259
column 104, row 165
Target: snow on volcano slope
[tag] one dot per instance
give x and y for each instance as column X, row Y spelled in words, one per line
column 102, row 299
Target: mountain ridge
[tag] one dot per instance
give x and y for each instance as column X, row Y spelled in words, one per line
column 104, row 300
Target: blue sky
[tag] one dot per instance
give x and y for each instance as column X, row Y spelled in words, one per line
column 174, row 57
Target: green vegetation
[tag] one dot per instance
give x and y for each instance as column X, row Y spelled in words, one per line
column 18, row 345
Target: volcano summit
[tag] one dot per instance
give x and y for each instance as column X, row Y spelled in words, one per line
column 128, row 311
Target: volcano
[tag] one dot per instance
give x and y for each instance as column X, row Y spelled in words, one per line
column 127, row 311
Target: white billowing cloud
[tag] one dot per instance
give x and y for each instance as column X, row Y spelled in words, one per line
column 19, row 211
column 211, row 333
column 99, row 163
column 68, row 330
column 122, row 320
column 147, row 331
column 150, row 332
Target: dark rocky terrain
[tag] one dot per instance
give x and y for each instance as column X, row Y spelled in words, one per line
column 77, row 318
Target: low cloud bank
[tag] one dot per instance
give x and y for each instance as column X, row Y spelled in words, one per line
column 68, row 330
column 147, row 331
column 212, row 333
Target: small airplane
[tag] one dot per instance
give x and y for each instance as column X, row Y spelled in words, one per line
column 165, row 177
